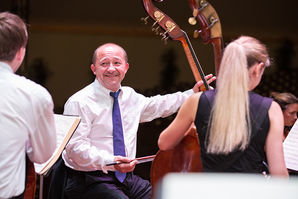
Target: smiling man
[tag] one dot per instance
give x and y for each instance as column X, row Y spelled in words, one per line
column 97, row 141
column 111, row 67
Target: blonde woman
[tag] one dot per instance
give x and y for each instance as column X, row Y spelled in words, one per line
column 238, row 130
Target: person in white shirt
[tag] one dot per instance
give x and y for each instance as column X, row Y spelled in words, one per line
column 26, row 111
column 91, row 146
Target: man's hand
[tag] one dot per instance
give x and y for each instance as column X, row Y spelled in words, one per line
column 209, row 78
column 126, row 164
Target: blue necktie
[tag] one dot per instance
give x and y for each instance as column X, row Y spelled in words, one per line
column 118, row 140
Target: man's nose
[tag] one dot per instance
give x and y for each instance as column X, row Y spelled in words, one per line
column 111, row 67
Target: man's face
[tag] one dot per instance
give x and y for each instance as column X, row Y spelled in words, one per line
column 110, row 66
column 290, row 114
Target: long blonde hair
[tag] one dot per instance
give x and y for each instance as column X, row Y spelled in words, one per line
column 229, row 125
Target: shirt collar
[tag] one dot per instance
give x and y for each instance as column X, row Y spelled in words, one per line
column 5, row 67
column 99, row 87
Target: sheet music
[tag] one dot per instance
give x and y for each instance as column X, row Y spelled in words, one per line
column 290, row 146
column 65, row 127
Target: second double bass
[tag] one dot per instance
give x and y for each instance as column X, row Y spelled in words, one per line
column 186, row 156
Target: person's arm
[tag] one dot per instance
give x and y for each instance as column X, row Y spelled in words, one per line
column 165, row 105
column 174, row 133
column 273, row 145
column 80, row 150
column 42, row 141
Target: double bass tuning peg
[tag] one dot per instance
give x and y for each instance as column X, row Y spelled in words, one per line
column 196, row 33
column 165, row 40
column 192, row 21
column 156, row 30
column 145, row 19
column 164, row 37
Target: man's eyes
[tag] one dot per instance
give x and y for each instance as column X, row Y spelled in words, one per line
column 104, row 63
column 108, row 63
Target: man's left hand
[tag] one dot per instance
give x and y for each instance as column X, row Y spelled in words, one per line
column 126, row 164
column 209, row 78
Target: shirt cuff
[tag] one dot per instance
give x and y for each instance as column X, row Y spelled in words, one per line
column 189, row 92
column 105, row 168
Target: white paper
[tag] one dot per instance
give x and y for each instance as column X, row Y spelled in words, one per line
column 291, row 148
column 65, row 126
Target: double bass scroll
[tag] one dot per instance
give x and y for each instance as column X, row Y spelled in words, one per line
column 209, row 30
column 173, row 31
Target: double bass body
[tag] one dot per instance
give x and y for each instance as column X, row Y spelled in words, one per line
column 185, row 157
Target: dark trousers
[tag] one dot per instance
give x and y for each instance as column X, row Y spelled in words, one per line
column 18, row 197
column 58, row 177
column 96, row 184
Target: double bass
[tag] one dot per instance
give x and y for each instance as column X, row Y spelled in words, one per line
column 30, row 181
column 185, row 157
column 210, row 27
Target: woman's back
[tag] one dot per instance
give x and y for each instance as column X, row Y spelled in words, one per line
column 252, row 159
column 230, row 124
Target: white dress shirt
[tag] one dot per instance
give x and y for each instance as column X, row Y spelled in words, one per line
column 91, row 146
column 26, row 125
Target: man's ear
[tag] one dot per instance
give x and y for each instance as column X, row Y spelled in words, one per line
column 18, row 59
column 127, row 67
column 92, row 67
column 20, row 54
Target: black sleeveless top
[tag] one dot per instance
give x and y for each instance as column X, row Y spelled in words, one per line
column 251, row 159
